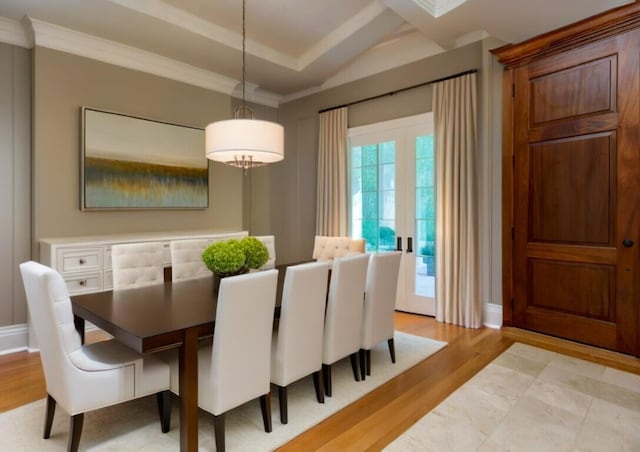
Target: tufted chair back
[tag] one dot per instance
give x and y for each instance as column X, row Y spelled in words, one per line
column 137, row 264
column 186, row 259
column 270, row 242
column 328, row 248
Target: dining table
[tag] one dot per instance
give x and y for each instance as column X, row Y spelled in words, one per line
column 158, row 317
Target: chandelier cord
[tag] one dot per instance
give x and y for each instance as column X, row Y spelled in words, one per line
column 244, row 32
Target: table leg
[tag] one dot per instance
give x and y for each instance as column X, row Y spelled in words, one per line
column 188, row 362
column 79, row 324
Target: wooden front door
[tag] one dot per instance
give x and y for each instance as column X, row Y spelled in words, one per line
column 576, row 237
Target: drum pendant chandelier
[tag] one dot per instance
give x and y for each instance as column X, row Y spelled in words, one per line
column 244, row 142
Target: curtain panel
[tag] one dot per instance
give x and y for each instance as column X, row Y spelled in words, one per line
column 332, row 190
column 455, row 123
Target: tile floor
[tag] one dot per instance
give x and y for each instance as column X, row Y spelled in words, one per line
column 529, row 399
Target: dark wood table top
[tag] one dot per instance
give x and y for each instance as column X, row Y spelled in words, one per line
column 144, row 318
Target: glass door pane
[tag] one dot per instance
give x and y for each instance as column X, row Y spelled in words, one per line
column 373, row 194
column 419, row 263
column 425, row 218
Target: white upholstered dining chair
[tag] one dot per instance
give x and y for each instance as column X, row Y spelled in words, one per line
column 297, row 342
column 186, row 259
column 328, row 247
column 236, row 368
column 343, row 319
column 379, row 306
column 137, row 264
column 270, row 242
column 83, row 378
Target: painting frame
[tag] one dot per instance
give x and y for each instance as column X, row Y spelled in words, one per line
column 130, row 162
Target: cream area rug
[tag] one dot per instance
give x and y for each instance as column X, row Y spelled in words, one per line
column 134, row 426
column 529, row 399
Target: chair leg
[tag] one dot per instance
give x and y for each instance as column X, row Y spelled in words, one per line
column 164, row 410
column 363, row 365
column 48, row 417
column 282, row 397
column 318, row 385
column 75, row 432
column 392, row 350
column 355, row 367
column 265, row 406
column 367, row 360
column 218, row 427
column 326, row 374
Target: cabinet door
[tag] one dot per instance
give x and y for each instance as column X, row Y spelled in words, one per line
column 576, row 173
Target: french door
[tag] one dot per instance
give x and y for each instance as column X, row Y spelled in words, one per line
column 392, row 201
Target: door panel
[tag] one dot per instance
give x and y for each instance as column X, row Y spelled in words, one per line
column 585, row 168
column 584, row 89
column 573, row 288
column 576, row 184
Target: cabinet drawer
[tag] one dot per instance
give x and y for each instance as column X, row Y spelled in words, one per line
column 73, row 260
column 91, row 282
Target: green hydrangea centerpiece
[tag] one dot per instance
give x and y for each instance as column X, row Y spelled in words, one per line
column 232, row 256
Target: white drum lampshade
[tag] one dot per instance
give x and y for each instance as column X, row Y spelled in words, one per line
column 244, row 143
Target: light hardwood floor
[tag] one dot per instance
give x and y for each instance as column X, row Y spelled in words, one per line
column 379, row 417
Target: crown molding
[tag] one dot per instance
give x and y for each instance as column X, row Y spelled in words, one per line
column 444, row 6
column 429, row 6
column 88, row 46
column 15, row 33
column 437, row 8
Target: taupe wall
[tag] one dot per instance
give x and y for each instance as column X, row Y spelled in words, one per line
column 62, row 84
column 15, row 180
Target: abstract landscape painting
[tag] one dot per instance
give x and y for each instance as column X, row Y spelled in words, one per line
column 136, row 163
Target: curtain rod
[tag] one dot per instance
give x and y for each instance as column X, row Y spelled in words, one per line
column 391, row 93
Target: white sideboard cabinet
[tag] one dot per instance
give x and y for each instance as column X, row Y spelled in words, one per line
column 85, row 262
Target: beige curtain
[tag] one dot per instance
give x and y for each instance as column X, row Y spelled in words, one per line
column 331, row 204
column 457, row 281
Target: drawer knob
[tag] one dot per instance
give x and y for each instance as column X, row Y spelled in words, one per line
column 82, row 282
column 82, row 261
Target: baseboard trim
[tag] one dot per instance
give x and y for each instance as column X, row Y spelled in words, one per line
column 14, row 338
column 492, row 315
